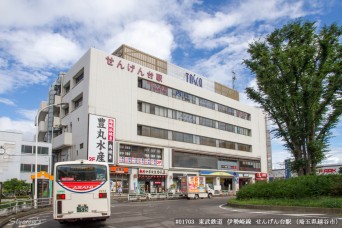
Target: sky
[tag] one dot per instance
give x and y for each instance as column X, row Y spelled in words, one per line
column 39, row 39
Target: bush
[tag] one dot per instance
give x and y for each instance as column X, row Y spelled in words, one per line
column 294, row 188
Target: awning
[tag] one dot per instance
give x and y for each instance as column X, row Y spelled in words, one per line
column 217, row 174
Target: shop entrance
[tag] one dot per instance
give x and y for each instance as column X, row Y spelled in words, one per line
column 226, row 184
column 151, row 184
column 120, row 181
column 243, row 182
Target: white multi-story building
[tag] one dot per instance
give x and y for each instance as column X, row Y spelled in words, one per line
column 153, row 122
column 18, row 158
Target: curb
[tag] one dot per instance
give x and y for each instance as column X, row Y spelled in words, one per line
column 4, row 221
column 335, row 211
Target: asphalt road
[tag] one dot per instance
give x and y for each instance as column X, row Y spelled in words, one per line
column 186, row 213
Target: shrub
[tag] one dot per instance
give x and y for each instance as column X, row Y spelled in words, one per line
column 294, row 188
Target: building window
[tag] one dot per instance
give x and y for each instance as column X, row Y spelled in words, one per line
column 226, row 145
column 244, row 147
column 157, row 88
column 225, row 109
column 183, row 96
column 159, row 133
column 184, row 117
column 154, row 87
column 187, row 160
column 43, row 150
column 79, row 77
column 25, row 149
column 78, row 101
column 207, row 141
column 207, row 122
column 250, row 165
column 140, row 152
column 25, row 168
column 81, row 146
column 243, row 115
column 66, row 87
column 206, row 103
column 243, row 131
column 66, row 110
column 182, row 137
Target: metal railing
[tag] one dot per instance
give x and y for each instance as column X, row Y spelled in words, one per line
column 153, row 196
column 18, row 205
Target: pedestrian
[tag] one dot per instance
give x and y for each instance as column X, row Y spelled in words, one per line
column 119, row 190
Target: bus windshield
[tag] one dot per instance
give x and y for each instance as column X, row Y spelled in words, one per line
column 81, row 172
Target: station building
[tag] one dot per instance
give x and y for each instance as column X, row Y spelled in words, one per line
column 153, row 122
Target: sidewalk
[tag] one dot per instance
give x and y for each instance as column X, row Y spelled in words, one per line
column 336, row 211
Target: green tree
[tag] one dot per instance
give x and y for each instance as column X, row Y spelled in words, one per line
column 299, row 83
column 340, row 170
column 15, row 186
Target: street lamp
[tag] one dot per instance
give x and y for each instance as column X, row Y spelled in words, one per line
column 36, row 164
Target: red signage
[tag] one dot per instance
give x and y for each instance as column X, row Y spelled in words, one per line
column 117, row 169
column 327, row 171
column 81, row 187
column 261, row 176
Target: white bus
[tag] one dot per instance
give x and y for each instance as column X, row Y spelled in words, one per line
column 81, row 191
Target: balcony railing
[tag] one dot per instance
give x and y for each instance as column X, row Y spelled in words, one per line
column 62, row 141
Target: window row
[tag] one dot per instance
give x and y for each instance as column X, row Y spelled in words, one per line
column 189, row 160
column 190, row 118
column 249, row 165
column 76, row 103
column 31, row 168
column 161, row 89
column 27, row 149
column 75, row 81
column 140, row 152
column 189, row 138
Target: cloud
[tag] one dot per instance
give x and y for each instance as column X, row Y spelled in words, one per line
column 28, row 114
column 144, row 35
column 334, row 156
column 7, row 101
column 39, row 48
column 238, row 17
column 23, row 126
column 15, row 78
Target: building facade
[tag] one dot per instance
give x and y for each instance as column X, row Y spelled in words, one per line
column 18, row 158
column 153, row 122
column 323, row 169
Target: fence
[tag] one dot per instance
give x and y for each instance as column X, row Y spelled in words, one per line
column 18, row 205
column 153, row 196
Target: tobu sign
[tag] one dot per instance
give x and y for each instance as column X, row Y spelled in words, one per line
column 193, row 79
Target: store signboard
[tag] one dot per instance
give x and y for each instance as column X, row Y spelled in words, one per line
column 101, row 138
column 143, row 171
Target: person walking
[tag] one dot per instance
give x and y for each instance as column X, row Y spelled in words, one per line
column 119, row 190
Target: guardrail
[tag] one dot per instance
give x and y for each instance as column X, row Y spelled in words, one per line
column 18, row 205
column 153, row 196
